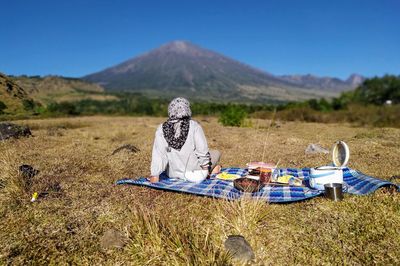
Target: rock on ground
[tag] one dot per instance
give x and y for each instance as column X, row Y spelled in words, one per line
column 9, row 130
column 128, row 147
column 27, row 172
column 112, row 239
column 315, row 148
column 239, row 248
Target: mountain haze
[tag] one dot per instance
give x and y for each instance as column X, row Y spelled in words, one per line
column 324, row 83
column 183, row 68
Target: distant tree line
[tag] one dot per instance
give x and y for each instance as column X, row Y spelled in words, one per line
column 140, row 105
column 375, row 91
column 368, row 100
column 379, row 90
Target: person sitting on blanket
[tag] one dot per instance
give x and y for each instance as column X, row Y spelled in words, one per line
column 180, row 145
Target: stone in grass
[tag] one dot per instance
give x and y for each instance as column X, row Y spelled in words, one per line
column 9, row 130
column 315, row 149
column 27, row 172
column 112, row 239
column 128, row 147
column 239, row 248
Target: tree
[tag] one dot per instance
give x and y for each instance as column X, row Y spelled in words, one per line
column 321, row 105
column 379, row 90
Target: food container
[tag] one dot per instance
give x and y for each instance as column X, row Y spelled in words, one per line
column 265, row 175
column 322, row 175
column 262, row 170
column 247, row 184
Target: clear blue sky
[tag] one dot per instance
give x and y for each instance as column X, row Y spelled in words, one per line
column 321, row 37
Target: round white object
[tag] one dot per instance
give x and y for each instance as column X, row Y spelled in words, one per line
column 340, row 154
column 196, row 176
column 324, row 175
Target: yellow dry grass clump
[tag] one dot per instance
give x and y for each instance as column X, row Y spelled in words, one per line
column 78, row 172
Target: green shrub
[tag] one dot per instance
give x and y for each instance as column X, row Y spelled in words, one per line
column 233, row 116
column 3, row 106
column 64, row 108
column 28, row 104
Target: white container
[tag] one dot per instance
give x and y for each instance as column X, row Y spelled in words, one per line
column 322, row 175
column 196, row 176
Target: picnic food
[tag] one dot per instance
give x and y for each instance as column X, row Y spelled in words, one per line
column 247, row 184
column 261, row 169
column 265, row 175
column 284, row 179
column 254, row 171
column 227, row 176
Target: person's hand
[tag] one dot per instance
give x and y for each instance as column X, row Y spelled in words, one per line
column 154, row 179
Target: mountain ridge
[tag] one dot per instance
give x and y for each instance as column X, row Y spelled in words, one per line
column 180, row 67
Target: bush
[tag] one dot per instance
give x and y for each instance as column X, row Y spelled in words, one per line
column 64, row 108
column 233, row 116
column 3, row 106
column 371, row 115
column 28, row 104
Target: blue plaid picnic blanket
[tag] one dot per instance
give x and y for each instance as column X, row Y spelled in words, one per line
column 355, row 183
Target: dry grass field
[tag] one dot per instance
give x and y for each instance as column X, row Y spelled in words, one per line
column 164, row 228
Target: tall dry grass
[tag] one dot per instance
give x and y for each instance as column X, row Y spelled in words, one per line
column 195, row 236
column 13, row 186
column 165, row 228
column 156, row 239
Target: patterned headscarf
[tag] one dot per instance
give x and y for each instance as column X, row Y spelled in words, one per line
column 179, row 108
column 176, row 128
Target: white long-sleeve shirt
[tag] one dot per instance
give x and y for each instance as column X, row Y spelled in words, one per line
column 193, row 155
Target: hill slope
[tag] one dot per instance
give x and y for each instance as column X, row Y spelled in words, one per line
column 56, row 88
column 12, row 96
column 181, row 67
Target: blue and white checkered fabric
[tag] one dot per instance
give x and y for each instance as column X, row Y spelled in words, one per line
column 354, row 183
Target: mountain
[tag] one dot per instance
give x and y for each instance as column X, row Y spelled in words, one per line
column 324, row 83
column 183, row 68
column 13, row 98
column 355, row 80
